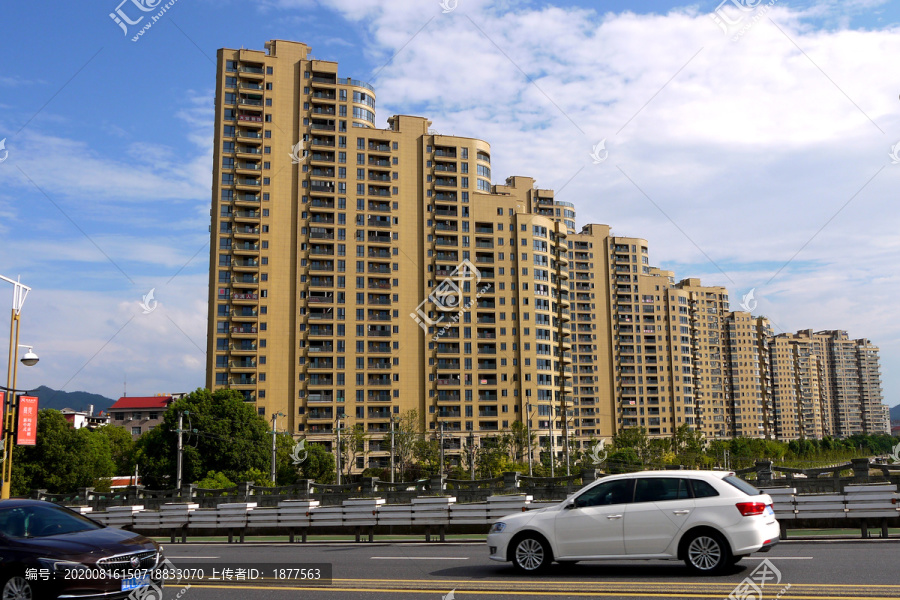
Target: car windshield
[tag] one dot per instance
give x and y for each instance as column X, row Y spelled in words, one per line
column 742, row 485
column 35, row 521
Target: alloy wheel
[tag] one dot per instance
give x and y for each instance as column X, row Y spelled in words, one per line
column 17, row 588
column 705, row 553
column 530, row 554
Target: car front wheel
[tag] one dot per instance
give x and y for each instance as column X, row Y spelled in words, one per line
column 531, row 554
column 707, row 553
column 17, row 588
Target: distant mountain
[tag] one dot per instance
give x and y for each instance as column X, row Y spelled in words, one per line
column 895, row 413
column 50, row 398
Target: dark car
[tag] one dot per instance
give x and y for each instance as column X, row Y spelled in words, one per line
column 48, row 551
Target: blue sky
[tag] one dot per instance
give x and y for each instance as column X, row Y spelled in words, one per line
column 757, row 163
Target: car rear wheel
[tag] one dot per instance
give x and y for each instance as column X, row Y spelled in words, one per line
column 531, row 554
column 17, row 588
column 707, row 553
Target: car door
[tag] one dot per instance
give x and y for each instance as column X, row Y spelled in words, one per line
column 591, row 524
column 660, row 509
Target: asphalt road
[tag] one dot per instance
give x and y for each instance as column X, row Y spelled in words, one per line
column 822, row 570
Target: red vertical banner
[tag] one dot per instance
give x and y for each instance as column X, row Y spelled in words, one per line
column 27, row 428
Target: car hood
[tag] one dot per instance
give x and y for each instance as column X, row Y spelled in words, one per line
column 98, row 543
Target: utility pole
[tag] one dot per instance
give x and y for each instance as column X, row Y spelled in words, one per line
column 392, row 448
column 180, row 448
column 528, row 436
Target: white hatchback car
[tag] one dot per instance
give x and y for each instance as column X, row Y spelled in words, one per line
column 709, row 519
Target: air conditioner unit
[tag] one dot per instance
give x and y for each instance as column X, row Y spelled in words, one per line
column 129, row 419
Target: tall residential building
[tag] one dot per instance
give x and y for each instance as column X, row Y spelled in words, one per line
column 747, row 371
column 850, row 383
column 359, row 273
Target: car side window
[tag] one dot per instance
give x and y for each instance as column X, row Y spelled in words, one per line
column 604, row 494
column 703, row 489
column 660, row 489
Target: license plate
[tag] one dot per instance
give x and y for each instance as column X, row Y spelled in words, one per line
column 135, row 582
column 770, row 510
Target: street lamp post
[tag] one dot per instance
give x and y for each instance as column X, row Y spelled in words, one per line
column 20, row 291
column 274, row 433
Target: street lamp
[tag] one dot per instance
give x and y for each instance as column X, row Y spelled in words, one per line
column 20, row 292
column 30, row 359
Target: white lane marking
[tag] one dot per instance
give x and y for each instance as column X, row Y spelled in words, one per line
column 419, row 558
column 778, row 558
column 191, row 557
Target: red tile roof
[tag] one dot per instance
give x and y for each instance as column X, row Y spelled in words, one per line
column 131, row 402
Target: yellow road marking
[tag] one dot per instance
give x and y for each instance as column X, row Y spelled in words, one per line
column 515, row 593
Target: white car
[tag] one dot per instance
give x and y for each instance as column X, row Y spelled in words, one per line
column 709, row 519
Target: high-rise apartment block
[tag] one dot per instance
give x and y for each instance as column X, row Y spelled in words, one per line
column 358, row 273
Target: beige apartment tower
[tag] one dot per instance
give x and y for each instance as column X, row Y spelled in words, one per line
column 358, row 273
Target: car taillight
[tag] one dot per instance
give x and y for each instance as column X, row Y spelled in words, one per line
column 749, row 509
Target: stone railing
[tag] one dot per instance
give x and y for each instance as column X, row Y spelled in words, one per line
column 763, row 474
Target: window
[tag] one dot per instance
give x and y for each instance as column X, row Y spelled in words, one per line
column 135, row 431
column 741, row 485
column 604, row 494
column 703, row 489
column 657, row 489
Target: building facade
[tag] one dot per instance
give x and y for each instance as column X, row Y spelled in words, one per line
column 360, row 273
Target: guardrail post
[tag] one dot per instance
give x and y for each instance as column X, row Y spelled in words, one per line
column 860, row 470
column 368, row 486
column 38, row 494
column 243, row 491
column 188, row 491
column 510, row 481
column 437, row 483
column 588, row 475
column 303, row 488
column 763, row 473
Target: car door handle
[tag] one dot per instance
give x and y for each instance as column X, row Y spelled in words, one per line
column 611, row 517
column 680, row 512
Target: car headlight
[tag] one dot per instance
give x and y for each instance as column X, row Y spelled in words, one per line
column 498, row 527
column 58, row 567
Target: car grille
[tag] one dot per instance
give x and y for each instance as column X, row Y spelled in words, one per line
column 148, row 560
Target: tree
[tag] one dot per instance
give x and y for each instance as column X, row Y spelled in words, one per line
column 405, row 437
column 214, row 481
column 634, row 438
column 319, row 464
column 353, row 444
column 121, row 446
column 63, row 458
column 223, row 433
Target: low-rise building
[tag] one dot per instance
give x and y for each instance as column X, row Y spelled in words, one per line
column 140, row 414
column 81, row 418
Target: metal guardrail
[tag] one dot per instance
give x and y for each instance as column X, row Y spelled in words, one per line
column 858, row 506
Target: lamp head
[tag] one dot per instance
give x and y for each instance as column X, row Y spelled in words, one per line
column 30, row 358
